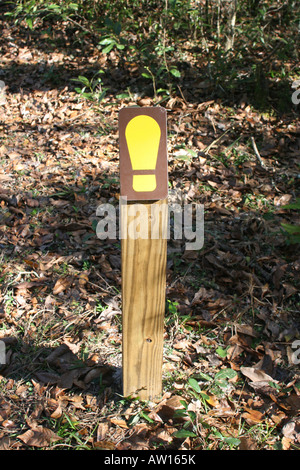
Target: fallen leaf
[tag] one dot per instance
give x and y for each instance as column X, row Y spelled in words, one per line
column 73, row 347
column 256, row 375
column 166, row 409
column 184, row 344
column 286, row 443
column 95, row 373
column 145, row 101
column 282, row 200
column 57, row 413
column 67, row 379
column 212, row 400
column 61, row 285
column 102, row 431
column 247, row 443
column 39, row 437
column 105, row 445
column 77, row 401
column 247, row 330
column 32, row 202
column 47, row 377
column 119, row 422
column 252, row 416
column 4, row 443
column 7, row 423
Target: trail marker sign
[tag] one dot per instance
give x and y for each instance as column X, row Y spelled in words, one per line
column 144, row 184
column 143, row 153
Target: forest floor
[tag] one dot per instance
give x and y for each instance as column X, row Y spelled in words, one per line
column 230, row 373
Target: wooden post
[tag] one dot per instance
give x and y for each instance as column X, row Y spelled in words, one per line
column 143, row 299
column 144, row 219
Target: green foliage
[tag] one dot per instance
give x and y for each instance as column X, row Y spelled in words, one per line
column 192, row 425
column 218, row 383
column 112, row 38
column 194, row 385
column 30, row 10
column 222, row 377
column 295, row 205
column 92, row 89
column 225, row 440
column 172, row 307
column 184, row 433
column 292, row 231
column 151, row 34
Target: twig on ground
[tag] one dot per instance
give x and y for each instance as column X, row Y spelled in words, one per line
column 207, row 149
column 257, row 153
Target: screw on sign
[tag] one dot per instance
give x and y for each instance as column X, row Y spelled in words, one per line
column 144, row 184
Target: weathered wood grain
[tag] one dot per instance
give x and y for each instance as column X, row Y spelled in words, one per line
column 143, row 302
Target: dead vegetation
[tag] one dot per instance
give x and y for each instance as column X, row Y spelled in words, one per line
column 230, row 373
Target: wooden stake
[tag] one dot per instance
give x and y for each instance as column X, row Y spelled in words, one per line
column 144, row 221
column 143, row 298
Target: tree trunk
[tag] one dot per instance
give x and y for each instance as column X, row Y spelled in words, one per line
column 230, row 27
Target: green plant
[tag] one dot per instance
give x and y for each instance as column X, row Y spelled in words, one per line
column 292, row 231
column 257, row 202
column 239, row 157
column 162, row 74
column 69, row 431
column 86, row 265
column 222, row 378
column 264, row 434
column 172, row 307
column 172, row 317
column 92, row 89
column 112, row 38
column 225, row 441
column 9, row 301
column 218, row 384
column 109, row 181
column 31, row 10
column 193, row 423
column 100, row 308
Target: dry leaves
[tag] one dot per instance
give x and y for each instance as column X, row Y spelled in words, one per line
column 234, row 302
column 39, row 436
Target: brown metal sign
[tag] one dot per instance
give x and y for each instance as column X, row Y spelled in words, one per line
column 143, row 153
